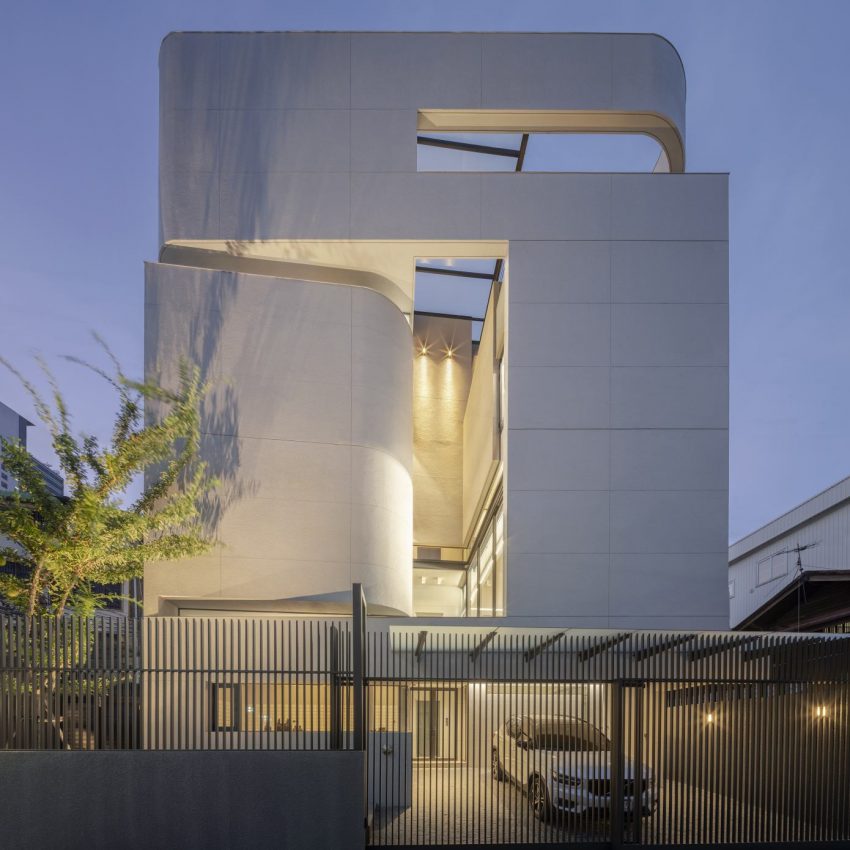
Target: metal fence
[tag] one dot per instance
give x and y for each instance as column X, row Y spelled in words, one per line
column 175, row 683
column 545, row 736
column 473, row 735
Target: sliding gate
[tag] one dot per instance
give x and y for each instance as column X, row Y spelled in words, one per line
column 542, row 736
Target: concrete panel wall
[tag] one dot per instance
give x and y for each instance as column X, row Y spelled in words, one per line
column 617, row 464
column 308, row 424
column 203, row 800
column 266, row 135
column 616, row 316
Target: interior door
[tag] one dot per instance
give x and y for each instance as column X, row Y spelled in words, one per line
column 435, row 723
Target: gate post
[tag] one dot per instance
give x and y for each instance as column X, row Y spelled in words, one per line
column 336, row 691
column 358, row 601
column 358, row 686
column 618, row 763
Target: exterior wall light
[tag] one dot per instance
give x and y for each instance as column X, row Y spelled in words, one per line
column 709, row 718
column 821, row 713
column 423, row 350
column 450, row 352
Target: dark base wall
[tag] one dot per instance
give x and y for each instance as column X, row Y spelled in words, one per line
column 69, row 800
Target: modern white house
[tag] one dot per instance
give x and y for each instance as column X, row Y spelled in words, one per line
column 793, row 574
column 558, row 455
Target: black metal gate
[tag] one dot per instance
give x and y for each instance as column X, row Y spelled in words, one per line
column 586, row 738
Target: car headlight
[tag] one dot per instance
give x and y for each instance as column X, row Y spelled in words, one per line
column 565, row 779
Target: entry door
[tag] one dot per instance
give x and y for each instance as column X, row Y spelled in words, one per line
column 435, row 723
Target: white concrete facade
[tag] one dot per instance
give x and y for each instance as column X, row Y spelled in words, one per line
column 288, row 171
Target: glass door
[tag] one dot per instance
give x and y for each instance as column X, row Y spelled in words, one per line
column 435, row 723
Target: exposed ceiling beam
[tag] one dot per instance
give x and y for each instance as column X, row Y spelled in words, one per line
column 724, row 644
column 532, row 653
column 523, row 145
column 420, row 645
column 662, row 646
column 602, row 646
column 470, row 147
column 453, row 272
column 482, row 645
column 448, row 315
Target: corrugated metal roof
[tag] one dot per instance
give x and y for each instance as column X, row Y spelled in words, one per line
column 824, row 501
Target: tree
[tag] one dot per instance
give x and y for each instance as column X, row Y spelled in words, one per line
column 68, row 545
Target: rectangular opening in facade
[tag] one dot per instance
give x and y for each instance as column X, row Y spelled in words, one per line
column 458, row 416
column 553, row 152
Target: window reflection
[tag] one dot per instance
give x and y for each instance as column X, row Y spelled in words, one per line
column 485, row 581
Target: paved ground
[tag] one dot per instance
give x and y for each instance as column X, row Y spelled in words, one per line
column 462, row 805
column 458, row 804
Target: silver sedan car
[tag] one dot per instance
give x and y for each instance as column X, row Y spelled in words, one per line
column 564, row 765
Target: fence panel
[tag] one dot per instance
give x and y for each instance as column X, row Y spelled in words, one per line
column 175, row 684
column 548, row 737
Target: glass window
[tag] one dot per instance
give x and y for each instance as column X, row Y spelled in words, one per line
column 472, row 587
column 225, row 708
column 485, row 576
column 292, row 707
column 764, row 570
column 486, row 571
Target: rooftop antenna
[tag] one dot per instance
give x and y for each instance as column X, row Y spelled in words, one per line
column 798, row 573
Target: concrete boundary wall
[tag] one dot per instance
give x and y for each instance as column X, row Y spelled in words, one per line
column 143, row 799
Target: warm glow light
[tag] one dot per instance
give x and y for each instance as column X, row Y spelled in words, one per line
column 709, row 718
column 821, row 711
column 423, row 350
column 450, row 352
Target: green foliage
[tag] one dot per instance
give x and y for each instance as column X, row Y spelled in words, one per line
column 89, row 537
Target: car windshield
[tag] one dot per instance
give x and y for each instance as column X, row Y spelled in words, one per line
column 569, row 737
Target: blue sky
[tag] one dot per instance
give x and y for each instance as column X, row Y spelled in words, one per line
column 767, row 101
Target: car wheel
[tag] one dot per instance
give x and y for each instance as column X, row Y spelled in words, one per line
column 538, row 798
column 496, row 766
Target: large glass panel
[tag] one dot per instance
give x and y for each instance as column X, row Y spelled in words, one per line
column 472, row 587
column 485, row 575
column 499, row 565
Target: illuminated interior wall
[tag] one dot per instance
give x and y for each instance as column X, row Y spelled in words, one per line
column 481, row 450
column 442, row 367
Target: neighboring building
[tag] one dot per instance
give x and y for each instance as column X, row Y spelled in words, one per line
column 558, row 457
column 793, row 574
column 13, row 426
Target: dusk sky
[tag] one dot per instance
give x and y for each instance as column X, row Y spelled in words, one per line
column 768, row 101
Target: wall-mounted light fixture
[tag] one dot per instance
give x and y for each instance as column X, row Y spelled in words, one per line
column 709, row 718
column 821, row 712
column 450, row 352
column 423, row 350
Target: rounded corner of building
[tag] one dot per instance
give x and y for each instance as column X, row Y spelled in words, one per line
column 668, row 47
column 167, row 42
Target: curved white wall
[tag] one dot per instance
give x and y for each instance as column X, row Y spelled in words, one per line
column 309, row 427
